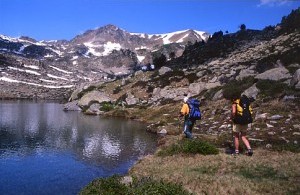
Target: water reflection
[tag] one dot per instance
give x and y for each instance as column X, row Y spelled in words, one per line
column 38, row 131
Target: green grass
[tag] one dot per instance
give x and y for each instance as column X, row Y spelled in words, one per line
column 189, row 146
column 208, row 170
column 113, row 186
column 106, row 107
column 110, row 185
column 260, row 172
column 233, row 89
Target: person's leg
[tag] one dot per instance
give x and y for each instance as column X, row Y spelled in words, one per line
column 236, row 136
column 186, row 130
column 246, row 142
column 236, row 141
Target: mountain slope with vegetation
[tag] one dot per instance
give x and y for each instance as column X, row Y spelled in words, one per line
column 262, row 64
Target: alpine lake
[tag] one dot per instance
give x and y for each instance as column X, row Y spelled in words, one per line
column 45, row 150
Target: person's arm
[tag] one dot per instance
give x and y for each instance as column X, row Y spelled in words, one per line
column 233, row 111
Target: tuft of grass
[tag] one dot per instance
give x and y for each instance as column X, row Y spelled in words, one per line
column 271, row 88
column 234, row 88
column 110, row 185
column 260, row 172
column 295, row 148
column 208, row 170
column 189, row 146
column 106, row 107
column 150, row 186
column 113, row 186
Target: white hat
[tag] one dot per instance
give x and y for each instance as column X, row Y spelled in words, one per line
column 185, row 99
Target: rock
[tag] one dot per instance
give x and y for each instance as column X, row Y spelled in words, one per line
column 261, row 116
column 296, row 133
column 296, row 127
column 275, row 117
column 274, row 74
column 271, row 133
column 163, row 70
column 131, row 100
column 126, row 180
column 287, row 141
column 269, row 126
column 218, row 95
column 245, row 73
column 196, row 88
column 71, row 106
column 251, row 91
column 296, row 78
column 94, row 109
column 92, row 97
column 268, row 146
column 163, row 131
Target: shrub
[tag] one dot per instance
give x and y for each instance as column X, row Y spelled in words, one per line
column 259, row 172
column 113, row 186
column 110, row 185
column 106, row 107
column 233, row 89
column 271, row 88
column 149, row 186
column 189, row 146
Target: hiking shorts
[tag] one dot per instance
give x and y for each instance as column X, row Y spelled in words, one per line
column 237, row 128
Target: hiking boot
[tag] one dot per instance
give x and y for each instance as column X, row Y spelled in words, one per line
column 236, row 153
column 250, row 152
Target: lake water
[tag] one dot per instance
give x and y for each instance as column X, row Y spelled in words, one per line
column 44, row 150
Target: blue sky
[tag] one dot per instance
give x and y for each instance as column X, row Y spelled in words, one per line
column 64, row 19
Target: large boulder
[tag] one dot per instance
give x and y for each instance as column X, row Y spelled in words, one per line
column 92, row 97
column 72, row 106
column 251, row 91
column 275, row 74
column 295, row 81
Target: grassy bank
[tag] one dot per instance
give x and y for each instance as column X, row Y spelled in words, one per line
column 271, row 170
column 267, row 172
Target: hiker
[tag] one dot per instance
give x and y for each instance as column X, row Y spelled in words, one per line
column 191, row 112
column 241, row 117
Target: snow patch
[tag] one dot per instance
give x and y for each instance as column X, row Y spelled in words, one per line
column 6, row 79
column 60, row 70
column 27, row 71
column 56, row 77
column 109, row 47
column 31, row 66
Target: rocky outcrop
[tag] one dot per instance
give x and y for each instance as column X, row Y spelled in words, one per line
column 295, row 81
column 275, row 74
column 91, row 98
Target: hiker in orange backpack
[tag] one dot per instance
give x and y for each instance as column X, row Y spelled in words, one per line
column 188, row 124
column 241, row 117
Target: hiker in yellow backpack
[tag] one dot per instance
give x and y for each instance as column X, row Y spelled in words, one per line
column 188, row 124
column 241, row 117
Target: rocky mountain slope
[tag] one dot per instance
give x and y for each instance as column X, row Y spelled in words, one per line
column 262, row 64
column 50, row 69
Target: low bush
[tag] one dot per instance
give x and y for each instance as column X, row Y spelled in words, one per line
column 271, row 88
column 106, row 107
column 189, row 146
column 113, row 186
column 110, row 185
column 233, row 89
column 260, row 172
column 150, row 186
